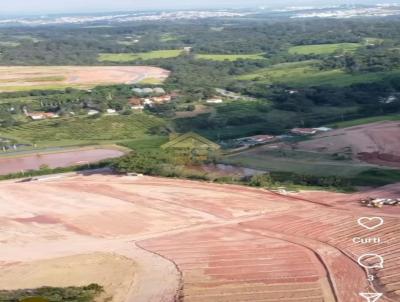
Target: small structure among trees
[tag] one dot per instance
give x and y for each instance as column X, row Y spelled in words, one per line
column 192, row 147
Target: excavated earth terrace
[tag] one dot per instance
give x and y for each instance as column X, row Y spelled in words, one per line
column 179, row 240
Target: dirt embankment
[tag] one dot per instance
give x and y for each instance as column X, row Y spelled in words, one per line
column 376, row 143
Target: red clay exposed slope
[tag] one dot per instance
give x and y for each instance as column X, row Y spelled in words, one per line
column 376, row 143
column 227, row 243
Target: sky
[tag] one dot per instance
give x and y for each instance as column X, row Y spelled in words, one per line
column 23, row 7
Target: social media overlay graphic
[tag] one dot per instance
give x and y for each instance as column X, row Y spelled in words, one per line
column 370, row 223
column 370, row 261
column 371, row 297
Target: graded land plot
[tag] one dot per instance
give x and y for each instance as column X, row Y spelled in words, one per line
column 376, row 143
column 191, row 241
column 56, row 158
column 297, row 161
column 231, row 57
column 307, row 73
column 227, row 265
column 324, row 49
column 129, row 57
column 20, row 78
column 80, row 130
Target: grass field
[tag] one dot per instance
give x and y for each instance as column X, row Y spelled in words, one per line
column 146, row 143
column 307, row 73
column 218, row 57
column 324, row 49
column 129, row 57
column 300, row 162
column 83, row 130
column 151, row 81
column 367, row 120
column 168, row 37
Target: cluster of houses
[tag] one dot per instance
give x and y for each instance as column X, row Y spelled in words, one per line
column 150, row 97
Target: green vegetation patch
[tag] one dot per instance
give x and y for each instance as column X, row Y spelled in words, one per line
column 146, row 144
column 367, row 120
column 376, row 177
column 53, row 294
column 299, row 162
column 84, row 129
column 151, row 81
column 308, row 73
column 324, row 49
column 129, row 57
column 168, row 37
column 231, row 57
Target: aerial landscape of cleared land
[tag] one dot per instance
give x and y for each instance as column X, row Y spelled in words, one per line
column 14, row 78
column 191, row 156
column 173, row 240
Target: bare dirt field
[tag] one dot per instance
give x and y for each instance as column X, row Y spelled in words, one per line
column 174, row 240
column 66, row 158
column 15, row 78
column 376, row 143
column 115, row 273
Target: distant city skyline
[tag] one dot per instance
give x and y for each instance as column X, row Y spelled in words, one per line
column 24, row 7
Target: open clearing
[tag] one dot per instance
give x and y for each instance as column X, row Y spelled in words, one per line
column 299, row 161
column 58, row 159
column 307, row 73
column 324, row 49
column 115, row 273
column 377, row 143
column 194, row 240
column 19, row 78
column 231, row 57
column 129, row 57
column 362, row 148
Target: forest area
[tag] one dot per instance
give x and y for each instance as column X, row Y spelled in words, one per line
column 297, row 72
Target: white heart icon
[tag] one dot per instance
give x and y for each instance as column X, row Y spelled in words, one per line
column 370, row 223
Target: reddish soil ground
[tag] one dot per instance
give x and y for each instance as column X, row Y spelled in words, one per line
column 56, row 160
column 375, row 143
column 194, row 241
column 13, row 78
